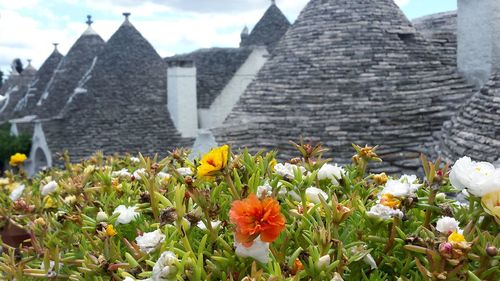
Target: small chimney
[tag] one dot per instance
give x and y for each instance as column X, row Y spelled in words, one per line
column 478, row 51
column 182, row 101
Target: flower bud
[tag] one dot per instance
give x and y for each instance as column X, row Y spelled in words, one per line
column 39, row 221
column 70, row 199
column 323, row 262
column 101, row 216
column 337, row 277
column 380, row 179
column 440, row 197
column 491, row 250
column 446, row 248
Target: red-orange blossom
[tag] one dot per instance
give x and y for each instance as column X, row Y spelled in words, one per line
column 254, row 217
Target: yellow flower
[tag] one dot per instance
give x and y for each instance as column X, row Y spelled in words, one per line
column 491, row 204
column 380, row 179
column 4, row 181
column 49, row 203
column 213, row 162
column 273, row 163
column 390, row 201
column 456, row 237
column 17, row 159
column 110, row 230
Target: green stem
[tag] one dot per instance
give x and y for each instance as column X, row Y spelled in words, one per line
column 229, row 181
column 428, row 212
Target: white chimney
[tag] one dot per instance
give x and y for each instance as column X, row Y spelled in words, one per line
column 182, row 105
column 478, row 52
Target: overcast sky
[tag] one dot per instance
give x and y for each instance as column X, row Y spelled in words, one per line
column 28, row 27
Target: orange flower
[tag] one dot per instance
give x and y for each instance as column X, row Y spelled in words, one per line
column 390, row 200
column 254, row 217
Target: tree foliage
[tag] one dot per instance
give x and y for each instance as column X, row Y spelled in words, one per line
column 9, row 144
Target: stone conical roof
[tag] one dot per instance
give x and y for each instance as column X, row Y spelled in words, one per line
column 13, row 90
column 71, row 74
column 475, row 130
column 123, row 106
column 39, row 85
column 349, row 71
column 269, row 30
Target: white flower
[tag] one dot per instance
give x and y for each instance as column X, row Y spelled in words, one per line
column 479, row 178
column 123, row 173
column 165, row 268
column 313, row 193
column 265, row 189
column 128, row 279
column 412, row 180
column 324, row 261
column 149, row 241
column 135, row 160
column 163, row 177
column 17, row 192
column 397, row 188
column 331, row 172
column 138, row 173
column 49, row 188
column 202, row 225
column 127, row 214
column 447, row 225
column 185, row 171
column 288, row 170
column 384, row 212
column 336, row 277
column 259, row 250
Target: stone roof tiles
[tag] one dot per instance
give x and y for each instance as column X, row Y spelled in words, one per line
column 39, row 85
column 214, row 67
column 441, row 31
column 122, row 107
column 71, row 74
column 12, row 91
column 269, row 30
column 349, row 71
column 475, row 130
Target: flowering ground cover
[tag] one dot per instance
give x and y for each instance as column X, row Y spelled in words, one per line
column 236, row 216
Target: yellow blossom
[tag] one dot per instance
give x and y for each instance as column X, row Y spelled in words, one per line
column 110, row 230
column 456, row 237
column 390, row 200
column 273, row 163
column 17, row 159
column 39, row 221
column 380, row 179
column 4, row 181
column 49, row 203
column 491, row 204
column 213, row 162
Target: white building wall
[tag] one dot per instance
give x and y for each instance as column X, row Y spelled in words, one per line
column 182, row 103
column 225, row 102
column 40, row 155
column 478, row 51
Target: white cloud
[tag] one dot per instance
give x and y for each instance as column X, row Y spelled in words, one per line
column 402, row 3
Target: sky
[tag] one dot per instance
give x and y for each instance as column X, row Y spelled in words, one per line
column 29, row 27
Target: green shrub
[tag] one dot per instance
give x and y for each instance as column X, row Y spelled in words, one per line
column 9, row 145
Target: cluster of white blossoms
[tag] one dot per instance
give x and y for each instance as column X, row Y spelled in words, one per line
column 185, row 171
column 478, row 178
column 391, row 195
column 139, row 173
column 123, row 173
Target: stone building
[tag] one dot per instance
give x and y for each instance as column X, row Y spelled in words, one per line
column 120, row 96
column 475, row 129
column 13, row 90
column 349, row 71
